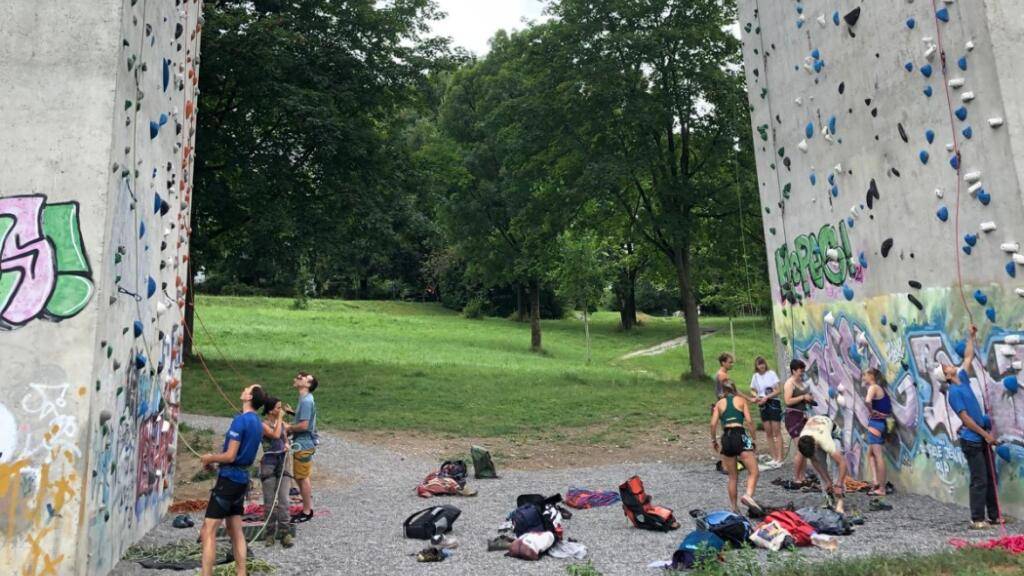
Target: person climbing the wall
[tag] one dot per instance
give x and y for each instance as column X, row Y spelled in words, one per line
column 765, row 387
column 817, row 443
column 797, row 401
column 734, row 413
column 273, row 475
column 227, row 499
column 880, row 404
column 976, row 440
column 304, row 436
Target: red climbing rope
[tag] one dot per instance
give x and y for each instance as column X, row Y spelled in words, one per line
column 956, row 247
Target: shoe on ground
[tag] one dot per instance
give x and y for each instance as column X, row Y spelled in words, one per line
column 502, row 542
column 443, row 542
column 182, row 521
column 430, row 555
column 979, row 526
column 287, row 541
column 752, row 506
column 301, row 517
column 269, row 539
column 877, row 504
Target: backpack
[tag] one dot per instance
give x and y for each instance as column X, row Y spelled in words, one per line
column 728, row 526
column 791, row 522
column 636, row 504
column 454, row 469
column 429, row 522
column 698, row 545
column 826, row 521
column 535, row 513
column 483, row 465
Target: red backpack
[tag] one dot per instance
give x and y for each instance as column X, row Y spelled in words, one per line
column 800, row 531
column 636, row 503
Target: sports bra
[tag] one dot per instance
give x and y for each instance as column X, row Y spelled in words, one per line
column 731, row 415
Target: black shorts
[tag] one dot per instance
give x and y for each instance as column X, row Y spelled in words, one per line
column 735, row 442
column 771, row 411
column 226, row 499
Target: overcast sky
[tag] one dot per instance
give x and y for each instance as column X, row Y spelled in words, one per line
column 471, row 23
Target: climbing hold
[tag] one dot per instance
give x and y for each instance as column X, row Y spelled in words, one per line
column 1019, row 259
column 1010, row 247
column 814, row 179
column 833, row 392
column 903, row 133
column 1011, row 269
column 884, row 320
column 942, row 14
column 995, row 122
column 167, row 73
column 928, row 91
column 984, row 197
column 974, row 189
column 847, row 292
column 990, row 313
column 954, row 161
column 816, row 54
column 886, row 247
column 938, row 192
column 863, row 260
column 913, row 300
column 909, row 66
column 967, row 96
column 140, row 361
column 855, row 355
column 156, row 203
column 926, row 70
column 832, row 125
column 988, row 226
column 842, row 87
column 802, row 146
column 150, row 287
column 960, row 347
column 911, row 23
column 929, row 135
column 971, row 239
column 969, row 45
column 142, row 229
column 972, row 177
column 852, row 16
column 980, row 297
column 915, row 284
column 967, row 250
column 924, row 156
column 835, row 18
column 956, row 83
column 968, row 132
column 809, row 130
column 962, row 62
column 943, row 213
column 872, row 194
column 830, row 319
column 961, row 113
column 835, row 191
column 137, row 326
column 154, row 129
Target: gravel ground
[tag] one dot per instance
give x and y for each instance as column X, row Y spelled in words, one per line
column 373, row 491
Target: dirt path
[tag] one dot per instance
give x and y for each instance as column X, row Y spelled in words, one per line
column 664, row 346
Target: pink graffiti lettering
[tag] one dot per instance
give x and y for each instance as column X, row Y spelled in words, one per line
column 25, row 251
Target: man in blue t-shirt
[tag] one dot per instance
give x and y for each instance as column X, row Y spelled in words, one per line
column 304, row 437
column 227, row 499
column 975, row 438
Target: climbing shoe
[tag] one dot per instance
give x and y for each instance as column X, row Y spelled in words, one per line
column 287, row 541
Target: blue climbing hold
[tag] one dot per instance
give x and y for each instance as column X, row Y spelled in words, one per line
column 140, row 361
column 885, row 320
column 928, row 91
column 924, row 156
column 863, row 260
column 832, row 178
column 816, row 54
column 943, row 14
column 156, row 203
column 167, row 73
column 1011, row 269
column 909, row 66
column 962, row 62
column 849, row 222
column 968, row 132
column 818, row 65
column 847, row 292
column 960, row 347
column 929, row 135
column 855, row 354
column 835, row 18
column 832, row 125
column 799, row 9
column 943, row 213
column 835, row 191
column 833, row 392
column 911, row 23
column 984, row 197
column 967, row 250
column 955, row 162
column 971, row 239
column 154, row 129
column 980, row 297
column 990, row 313
column 163, row 119
column 1011, row 384
column 138, row 328
column 142, row 229
column 809, row 130
column 926, row 70
column 814, row 179
column 150, row 287
column 961, row 113
column 799, row 24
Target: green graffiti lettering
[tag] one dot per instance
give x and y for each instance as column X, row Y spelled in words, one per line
column 807, row 263
column 802, row 246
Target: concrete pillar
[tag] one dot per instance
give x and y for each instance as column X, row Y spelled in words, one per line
column 98, row 106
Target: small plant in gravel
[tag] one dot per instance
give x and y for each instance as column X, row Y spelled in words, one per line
column 582, row 569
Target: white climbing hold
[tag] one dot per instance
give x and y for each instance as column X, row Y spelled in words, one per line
column 957, row 83
column 830, row 319
column 833, row 254
column 1019, row 258
column 821, row 20
column 854, row 212
column 862, row 340
column 995, row 122
column 799, row 101
column 838, row 169
column 974, row 189
column 1020, row 292
column 969, row 45
column 802, row 145
column 841, row 389
column 841, row 400
column 988, row 226
column 967, row 96
column 972, row 177
column 1017, row 365
column 809, row 65
column 929, row 52
column 938, row 192
column 1012, row 339
column 1010, row 247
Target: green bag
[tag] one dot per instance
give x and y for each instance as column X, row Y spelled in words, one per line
column 483, row 465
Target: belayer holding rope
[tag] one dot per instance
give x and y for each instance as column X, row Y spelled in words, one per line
column 272, row 474
column 975, row 439
column 227, row 499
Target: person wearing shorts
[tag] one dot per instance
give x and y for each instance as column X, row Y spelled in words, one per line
column 227, row 499
column 734, row 413
column 817, row 443
column 765, row 386
column 878, row 400
column 304, row 436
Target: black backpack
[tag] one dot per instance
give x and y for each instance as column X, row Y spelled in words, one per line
column 454, row 469
column 427, row 523
column 483, row 465
column 729, row 526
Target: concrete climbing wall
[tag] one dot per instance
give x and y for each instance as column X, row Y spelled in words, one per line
column 95, row 162
column 890, row 148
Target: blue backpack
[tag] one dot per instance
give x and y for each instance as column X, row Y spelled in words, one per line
column 698, row 545
column 728, row 526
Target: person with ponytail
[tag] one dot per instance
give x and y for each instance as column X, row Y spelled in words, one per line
column 880, row 405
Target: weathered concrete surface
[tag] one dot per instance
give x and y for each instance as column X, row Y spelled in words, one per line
column 93, row 218
column 865, row 279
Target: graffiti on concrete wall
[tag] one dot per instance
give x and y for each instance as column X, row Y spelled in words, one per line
column 44, row 271
column 816, row 260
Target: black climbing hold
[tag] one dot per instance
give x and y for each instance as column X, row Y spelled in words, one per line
column 894, row 327
column 842, row 87
column 886, row 247
column 917, row 303
column 867, row 101
column 872, row 194
column 178, row 30
column 903, row 132
column 852, row 16
column 895, row 172
column 915, row 284
column 874, row 112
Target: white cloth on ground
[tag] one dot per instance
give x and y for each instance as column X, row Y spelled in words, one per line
column 566, row 549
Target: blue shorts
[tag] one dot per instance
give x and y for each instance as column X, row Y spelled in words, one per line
column 881, row 427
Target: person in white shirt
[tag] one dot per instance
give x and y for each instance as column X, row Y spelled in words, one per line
column 766, row 389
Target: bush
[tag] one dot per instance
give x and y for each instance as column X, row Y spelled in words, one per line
column 476, row 308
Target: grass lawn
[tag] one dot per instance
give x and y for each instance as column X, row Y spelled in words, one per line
column 407, row 366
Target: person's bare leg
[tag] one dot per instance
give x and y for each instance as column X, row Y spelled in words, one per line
column 237, row 543
column 778, row 441
column 879, row 468
column 730, row 467
column 208, row 536
column 750, row 461
column 306, row 489
column 800, row 463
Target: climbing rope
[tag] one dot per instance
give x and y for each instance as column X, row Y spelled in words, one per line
column 956, row 251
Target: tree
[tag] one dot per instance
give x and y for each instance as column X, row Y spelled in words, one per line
column 581, row 273
column 661, row 102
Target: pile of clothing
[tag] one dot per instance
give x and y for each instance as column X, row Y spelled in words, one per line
column 581, row 499
column 449, row 480
column 536, row 528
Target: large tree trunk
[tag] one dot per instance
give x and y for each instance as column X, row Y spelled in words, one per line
column 627, row 299
column 521, row 305
column 535, row 316
column 681, row 260
column 190, row 312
